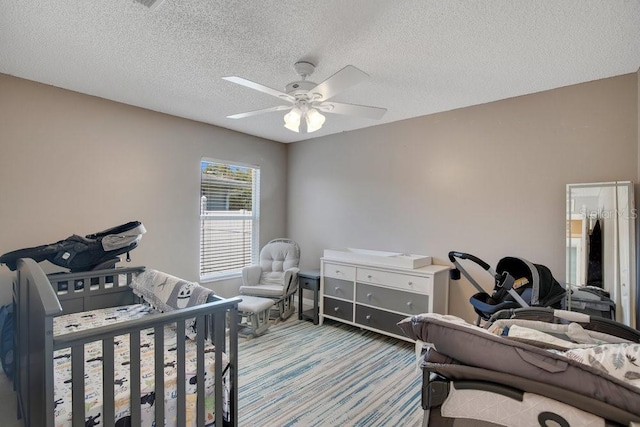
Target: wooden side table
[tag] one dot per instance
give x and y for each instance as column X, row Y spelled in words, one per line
column 309, row 280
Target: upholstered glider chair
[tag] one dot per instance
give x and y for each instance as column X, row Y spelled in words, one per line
column 276, row 277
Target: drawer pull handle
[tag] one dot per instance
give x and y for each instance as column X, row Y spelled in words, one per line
column 410, row 283
column 368, row 317
column 369, row 276
column 369, row 296
column 336, row 309
column 409, row 304
column 338, row 272
column 337, row 289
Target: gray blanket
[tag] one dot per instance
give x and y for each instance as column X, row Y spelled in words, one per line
column 166, row 292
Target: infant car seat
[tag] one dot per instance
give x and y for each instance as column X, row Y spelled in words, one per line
column 518, row 283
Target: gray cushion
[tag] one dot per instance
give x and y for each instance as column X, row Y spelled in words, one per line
column 262, row 290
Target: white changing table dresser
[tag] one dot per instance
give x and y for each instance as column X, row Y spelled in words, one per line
column 366, row 293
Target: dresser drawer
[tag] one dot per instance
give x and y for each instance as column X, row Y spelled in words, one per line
column 397, row 280
column 378, row 319
column 312, row 283
column 392, row 299
column 338, row 288
column 337, row 271
column 338, row 308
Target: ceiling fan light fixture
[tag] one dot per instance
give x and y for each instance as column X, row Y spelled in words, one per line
column 308, row 100
column 315, row 120
column 292, row 119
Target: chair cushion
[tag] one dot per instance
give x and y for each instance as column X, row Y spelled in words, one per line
column 279, row 256
column 262, row 290
column 272, row 278
column 254, row 304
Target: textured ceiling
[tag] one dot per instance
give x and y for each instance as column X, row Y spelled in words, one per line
column 422, row 56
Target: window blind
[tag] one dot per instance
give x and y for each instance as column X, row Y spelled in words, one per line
column 229, row 218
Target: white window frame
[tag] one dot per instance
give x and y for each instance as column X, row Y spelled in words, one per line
column 229, row 216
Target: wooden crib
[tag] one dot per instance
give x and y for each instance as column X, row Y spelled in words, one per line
column 39, row 299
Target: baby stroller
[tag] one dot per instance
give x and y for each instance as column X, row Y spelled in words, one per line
column 95, row 251
column 518, row 283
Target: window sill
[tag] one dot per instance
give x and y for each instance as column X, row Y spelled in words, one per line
column 220, row 277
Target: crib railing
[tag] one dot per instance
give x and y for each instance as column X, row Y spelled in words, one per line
column 94, row 289
column 39, row 304
column 211, row 313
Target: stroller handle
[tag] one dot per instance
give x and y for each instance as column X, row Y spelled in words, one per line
column 453, row 255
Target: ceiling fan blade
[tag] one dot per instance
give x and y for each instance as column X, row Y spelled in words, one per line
column 259, row 87
column 352, row 110
column 340, row 81
column 262, row 111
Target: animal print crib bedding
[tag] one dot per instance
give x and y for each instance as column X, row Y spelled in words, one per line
column 93, row 372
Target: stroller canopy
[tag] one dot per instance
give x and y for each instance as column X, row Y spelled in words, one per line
column 545, row 289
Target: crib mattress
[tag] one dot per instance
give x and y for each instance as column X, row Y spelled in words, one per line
column 93, row 371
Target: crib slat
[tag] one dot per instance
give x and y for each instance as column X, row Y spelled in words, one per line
column 200, row 320
column 107, row 381
column 181, row 377
column 134, row 377
column 218, row 342
column 107, row 333
column 77, row 385
column 158, row 375
column 233, row 362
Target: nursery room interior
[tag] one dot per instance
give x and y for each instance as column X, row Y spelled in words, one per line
column 317, row 175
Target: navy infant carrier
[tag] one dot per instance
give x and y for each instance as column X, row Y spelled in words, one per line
column 518, row 283
column 92, row 252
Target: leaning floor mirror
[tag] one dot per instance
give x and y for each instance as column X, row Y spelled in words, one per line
column 601, row 243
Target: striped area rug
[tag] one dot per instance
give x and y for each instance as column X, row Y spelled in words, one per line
column 301, row 374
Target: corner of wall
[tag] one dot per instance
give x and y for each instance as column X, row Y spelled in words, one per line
column 637, row 194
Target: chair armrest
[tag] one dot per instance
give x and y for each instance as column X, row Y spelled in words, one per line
column 251, row 275
column 291, row 280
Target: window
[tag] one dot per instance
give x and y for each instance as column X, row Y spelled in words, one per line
column 229, row 218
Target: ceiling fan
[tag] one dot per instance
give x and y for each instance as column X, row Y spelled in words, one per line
column 309, row 100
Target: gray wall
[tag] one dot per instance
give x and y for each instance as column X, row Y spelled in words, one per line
column 75, row 164
column 489, row 179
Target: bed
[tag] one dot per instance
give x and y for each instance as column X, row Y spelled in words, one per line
column 88, row 346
